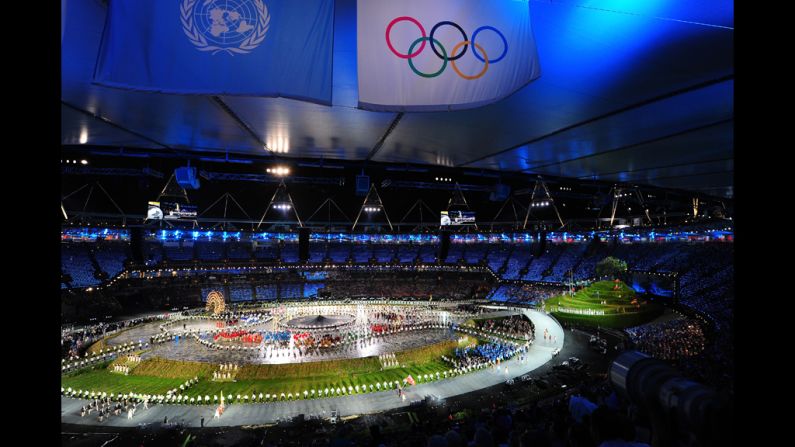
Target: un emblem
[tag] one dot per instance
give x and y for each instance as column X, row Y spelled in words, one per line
column 231, row 26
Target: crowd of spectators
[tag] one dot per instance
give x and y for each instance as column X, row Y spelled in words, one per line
column 516, row 326
column 539, row 267
column 78, row 265
column 110, row 256
column 567, row 261
column 404, row 286
column 527, row 293
column 497, row 256
column 675, row 339
column 511, row 261
column 240, row 293
column 516, row 263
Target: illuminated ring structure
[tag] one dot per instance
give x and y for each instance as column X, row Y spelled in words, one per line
column 215, row 302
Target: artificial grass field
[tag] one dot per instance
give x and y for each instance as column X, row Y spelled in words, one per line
column 158, row 376
column 617, row 305
column 98, row 378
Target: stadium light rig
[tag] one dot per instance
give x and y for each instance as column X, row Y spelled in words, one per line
column 372, row 209
column 282, row 206
column 279, row 171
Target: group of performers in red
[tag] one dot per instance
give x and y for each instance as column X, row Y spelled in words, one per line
column 244, row 336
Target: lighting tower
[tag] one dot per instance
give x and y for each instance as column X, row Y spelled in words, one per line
column 281, row 201
column 541, row 198
column 372, row 205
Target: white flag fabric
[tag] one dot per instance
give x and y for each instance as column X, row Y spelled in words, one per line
column 420, row 55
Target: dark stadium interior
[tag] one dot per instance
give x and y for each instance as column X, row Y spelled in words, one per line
column 555, row 267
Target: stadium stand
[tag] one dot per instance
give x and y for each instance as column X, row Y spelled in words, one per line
column 210, row 250
column 76, row 262
column 110, row 256
column 267, row 292
column 289, row 253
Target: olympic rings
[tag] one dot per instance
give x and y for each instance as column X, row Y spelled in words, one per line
column 433, row 47
column 477, row 50
column 444, row 58
column 389, row 42
column 504, row 43
column 485, row 66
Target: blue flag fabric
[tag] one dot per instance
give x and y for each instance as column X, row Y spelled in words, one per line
column 219, row 47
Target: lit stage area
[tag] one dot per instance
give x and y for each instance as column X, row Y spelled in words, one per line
column 302, row 357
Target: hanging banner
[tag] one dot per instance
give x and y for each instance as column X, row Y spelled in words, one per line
column 416, row 55
column 219, row 47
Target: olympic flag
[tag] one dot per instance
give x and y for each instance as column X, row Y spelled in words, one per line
column 420, row 55
column 219, row 47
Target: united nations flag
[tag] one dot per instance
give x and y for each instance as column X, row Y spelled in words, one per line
column 232, row 26
column 231, row 47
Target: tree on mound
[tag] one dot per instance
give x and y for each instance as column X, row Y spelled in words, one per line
column 610, row 266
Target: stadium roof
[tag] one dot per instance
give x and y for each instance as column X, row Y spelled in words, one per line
column 630, row 92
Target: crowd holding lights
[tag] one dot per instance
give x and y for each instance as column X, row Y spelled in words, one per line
column 633, row 235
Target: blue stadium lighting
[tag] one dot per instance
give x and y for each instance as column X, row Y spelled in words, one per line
column 195, row 234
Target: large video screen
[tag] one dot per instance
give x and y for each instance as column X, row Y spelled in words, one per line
column 458, row 218
column 170, row 211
